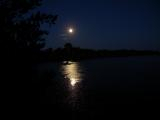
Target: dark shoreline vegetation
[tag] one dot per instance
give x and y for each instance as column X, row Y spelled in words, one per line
column 76, row 53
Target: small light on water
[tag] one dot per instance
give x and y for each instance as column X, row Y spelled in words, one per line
column 73, row 81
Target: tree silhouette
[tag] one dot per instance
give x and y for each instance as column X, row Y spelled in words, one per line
column 20, row 28
column 22, row 38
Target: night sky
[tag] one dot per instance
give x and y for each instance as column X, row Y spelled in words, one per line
column 105, row 24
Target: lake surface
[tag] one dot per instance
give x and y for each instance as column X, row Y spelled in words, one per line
column 91, row 85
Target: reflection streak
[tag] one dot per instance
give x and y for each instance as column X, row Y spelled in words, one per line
column 72, row 72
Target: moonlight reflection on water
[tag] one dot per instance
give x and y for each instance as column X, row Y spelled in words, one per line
column 72, row 72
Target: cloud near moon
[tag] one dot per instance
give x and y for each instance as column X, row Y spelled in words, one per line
column 64, row 36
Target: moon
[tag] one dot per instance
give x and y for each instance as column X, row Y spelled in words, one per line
column 70, row 30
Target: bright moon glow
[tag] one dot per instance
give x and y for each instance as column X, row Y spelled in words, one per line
column 70, row 30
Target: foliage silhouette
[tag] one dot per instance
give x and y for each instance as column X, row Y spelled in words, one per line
column 21, row 28
column 22, row 39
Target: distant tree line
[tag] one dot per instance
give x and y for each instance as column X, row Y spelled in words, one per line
column 75, row 53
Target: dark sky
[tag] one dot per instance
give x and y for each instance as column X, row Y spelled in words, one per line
column 106, row 24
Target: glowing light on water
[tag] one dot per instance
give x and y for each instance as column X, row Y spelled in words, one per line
column 72, row 73
column 73, row 81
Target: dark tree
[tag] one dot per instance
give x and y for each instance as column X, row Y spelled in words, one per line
column 68, row 45
column 20, row 28
column 21, row 40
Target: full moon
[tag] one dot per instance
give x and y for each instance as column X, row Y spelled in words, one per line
column 70, row 30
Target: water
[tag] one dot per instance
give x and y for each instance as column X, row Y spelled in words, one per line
column 91, row 85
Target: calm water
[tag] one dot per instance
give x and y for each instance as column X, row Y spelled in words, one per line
column 93, row 84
